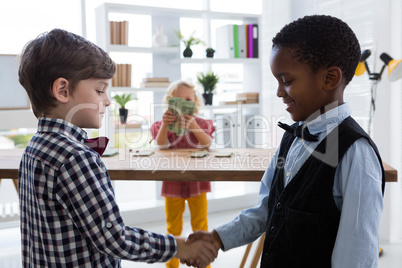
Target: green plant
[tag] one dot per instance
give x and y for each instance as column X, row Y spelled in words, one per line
column 210, row 50
column 208, row 81
column 190, row 41
column 123, row 99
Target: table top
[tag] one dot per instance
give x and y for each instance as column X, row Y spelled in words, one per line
column 245, row 164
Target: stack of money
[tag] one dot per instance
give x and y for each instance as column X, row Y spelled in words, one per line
column 179, row 108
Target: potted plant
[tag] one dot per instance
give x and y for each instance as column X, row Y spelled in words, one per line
column 208, row 82
column 210, row 52
column 188, row 43
column 122, row 100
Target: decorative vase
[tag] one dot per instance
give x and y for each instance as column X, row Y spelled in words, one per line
column 123, row 113
column 187, row 53
column 208, row 97
column 159, row 39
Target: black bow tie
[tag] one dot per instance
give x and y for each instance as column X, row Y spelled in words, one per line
column 97, row 144
column 300, row 131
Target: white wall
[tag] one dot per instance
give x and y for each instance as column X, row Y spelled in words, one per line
column 387, row 121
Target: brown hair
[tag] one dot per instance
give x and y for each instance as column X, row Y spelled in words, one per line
column 56, row 54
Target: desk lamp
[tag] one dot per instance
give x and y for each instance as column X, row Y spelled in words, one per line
column 394, row 73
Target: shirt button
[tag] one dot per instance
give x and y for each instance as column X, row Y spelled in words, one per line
column 273, row 229
column 108, row 225
column 301, row 140
column 279, row 206
column 287, row 173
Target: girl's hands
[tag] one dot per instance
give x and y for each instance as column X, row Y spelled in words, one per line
column 168, row 118
column 185, row 121
column 188, row 122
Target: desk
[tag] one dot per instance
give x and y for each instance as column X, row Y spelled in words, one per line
column 246, row 164
column 176, row 164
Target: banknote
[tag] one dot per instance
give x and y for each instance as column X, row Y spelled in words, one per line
column 187, row 107
column 179, row 107
column 174, row 105
column 199, row 154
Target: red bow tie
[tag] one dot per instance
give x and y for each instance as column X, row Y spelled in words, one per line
column 97, row 144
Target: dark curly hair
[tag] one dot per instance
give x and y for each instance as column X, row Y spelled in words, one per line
column 321, row 41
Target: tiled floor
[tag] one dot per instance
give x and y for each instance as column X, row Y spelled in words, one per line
column 10, row 247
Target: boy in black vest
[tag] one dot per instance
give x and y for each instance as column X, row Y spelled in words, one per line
column 320, row 199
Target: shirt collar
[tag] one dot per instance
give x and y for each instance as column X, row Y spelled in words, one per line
column 62, row 127
column 329, row 120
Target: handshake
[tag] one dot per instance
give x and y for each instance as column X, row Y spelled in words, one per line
column 199, row 249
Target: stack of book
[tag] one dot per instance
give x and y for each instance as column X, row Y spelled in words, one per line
column 250, row 97
column 243, row 98
column 237, row 41
column 122, row 77
column 155, row 82
column 119, row 32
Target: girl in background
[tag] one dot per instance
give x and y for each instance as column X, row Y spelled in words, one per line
column 199, row 135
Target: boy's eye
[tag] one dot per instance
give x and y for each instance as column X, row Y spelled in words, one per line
column 188, row 99
column 287, row 83
column 100, row 92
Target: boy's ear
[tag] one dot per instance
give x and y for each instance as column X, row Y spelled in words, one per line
column 60, row 90
column 333, row 78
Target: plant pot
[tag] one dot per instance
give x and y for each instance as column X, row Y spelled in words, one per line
column 210, row 54
column 123, row 113
column 187, row 53
column 208, row 97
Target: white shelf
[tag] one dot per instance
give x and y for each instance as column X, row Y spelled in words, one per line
column 215, row 61
column 176, row 12
column 153, row 50
column 122, row 128
column 232, row 16
column 133, row 89
column 152, row 11
column 232, row 106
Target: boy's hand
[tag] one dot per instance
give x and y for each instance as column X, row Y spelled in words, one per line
column 199, row 253
column 168, row 118
column 210, row 237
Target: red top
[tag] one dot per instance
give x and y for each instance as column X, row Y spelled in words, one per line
column 178, row 189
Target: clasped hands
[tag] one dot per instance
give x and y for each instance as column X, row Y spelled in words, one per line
column 202, row 247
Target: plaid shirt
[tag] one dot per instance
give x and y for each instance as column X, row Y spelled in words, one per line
column 68, row 212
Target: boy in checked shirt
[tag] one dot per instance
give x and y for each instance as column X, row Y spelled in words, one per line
column 68, row 212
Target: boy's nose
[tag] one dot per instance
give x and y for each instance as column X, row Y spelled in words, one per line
column 280, row 93
column 107, row 101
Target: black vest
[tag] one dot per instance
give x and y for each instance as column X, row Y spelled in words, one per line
column 303, row 218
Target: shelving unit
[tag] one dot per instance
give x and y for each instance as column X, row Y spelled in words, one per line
column 168, row 61
column 215, row 61
column 153, row 50
column 139, row 89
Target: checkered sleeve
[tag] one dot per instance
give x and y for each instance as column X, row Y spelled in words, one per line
column 86, row 192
